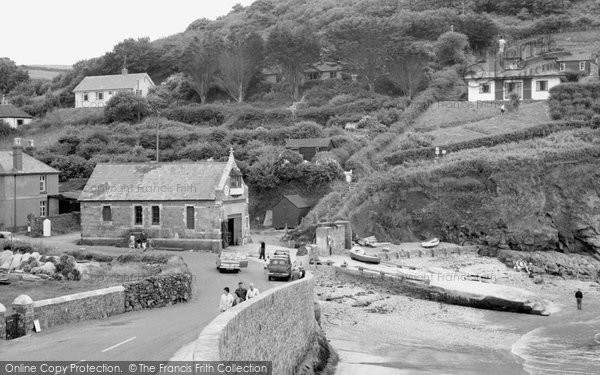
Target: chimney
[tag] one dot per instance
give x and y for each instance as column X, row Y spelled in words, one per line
column 17, row 155
column 124, row 71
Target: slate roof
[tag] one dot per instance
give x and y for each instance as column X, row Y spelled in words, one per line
column 153, row 181
column 307, row 142
column 10, row 111
column 111, row 82
column 576, row 57
column 30, row 165
column 298, row 201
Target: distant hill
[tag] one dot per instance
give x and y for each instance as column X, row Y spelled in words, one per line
column 46, row 71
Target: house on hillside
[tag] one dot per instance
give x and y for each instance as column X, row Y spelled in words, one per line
column 14, row 116
column 323, row 71
column 289, row 211
column 195, row 205
column 96, row 91
column 583, row 64
column 271, row 75
column 308, row 147
column 525, row 83
column 25, row 185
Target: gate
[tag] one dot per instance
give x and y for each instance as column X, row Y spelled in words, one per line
column 12, row 326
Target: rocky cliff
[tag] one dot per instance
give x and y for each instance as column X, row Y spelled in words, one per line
column 534, row 195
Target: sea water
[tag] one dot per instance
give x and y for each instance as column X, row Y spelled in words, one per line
column 561, row 348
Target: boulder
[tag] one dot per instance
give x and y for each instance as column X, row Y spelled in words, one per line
column 35, row 255
column 24, row 260
column 16, row 262
column 47, row 268
column 6, row 259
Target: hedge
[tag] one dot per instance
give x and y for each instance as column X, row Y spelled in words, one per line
column 574, row 101
column 195, row 114
column 538, row 131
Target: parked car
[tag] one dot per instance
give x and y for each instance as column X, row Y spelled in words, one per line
column 284, row 265
column 230, row 260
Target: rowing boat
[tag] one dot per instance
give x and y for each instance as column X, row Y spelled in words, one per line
column 358, row 253
column 431, row 243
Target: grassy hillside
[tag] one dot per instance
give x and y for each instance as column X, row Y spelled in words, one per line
column 46, row 72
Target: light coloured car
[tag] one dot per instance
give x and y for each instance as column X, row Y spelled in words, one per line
column 231, row 260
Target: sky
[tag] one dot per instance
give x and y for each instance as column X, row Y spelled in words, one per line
column 62, row 32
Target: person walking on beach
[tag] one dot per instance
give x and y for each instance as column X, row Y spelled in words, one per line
column 261, row 253
column 226, row 300
column 578, row 297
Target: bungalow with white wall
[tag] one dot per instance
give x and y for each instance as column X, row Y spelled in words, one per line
column 14, row 116
column 96, row 91
column 532, row 83
column 323, row 71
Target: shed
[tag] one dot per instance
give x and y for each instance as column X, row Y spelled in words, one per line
column 290, row 210
column 308, row 147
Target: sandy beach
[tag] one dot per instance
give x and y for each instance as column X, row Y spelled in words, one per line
column 381, row 333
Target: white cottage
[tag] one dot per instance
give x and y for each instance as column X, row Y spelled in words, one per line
column 96, row 91
column 14, row 116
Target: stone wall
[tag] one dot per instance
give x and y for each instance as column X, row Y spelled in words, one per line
column 152, row 292
column 157, row 291
column 279, row 326
column 60, row 224
column 94, row 304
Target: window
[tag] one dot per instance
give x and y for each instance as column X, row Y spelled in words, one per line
column 515, row 87
column 541, row 86
column 138, row 92
column 42, row 184
column 85, row 97
column 562, row 67
column 106, row 213
column 42, row 208
column 189, row 210
column 484, row 88
column 332, row 74
column 110, row 93
column 236, row 182
column 19, row 121
column 100, row 96
column 582, row 65
column 155, row 215
column 313, row 75
column 137, row 215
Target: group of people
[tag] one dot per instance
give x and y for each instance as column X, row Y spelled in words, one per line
column 242, row 294
column 138, row 243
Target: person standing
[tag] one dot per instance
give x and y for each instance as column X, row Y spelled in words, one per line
column 226, row 300
column 578, row 297
column 252, row 292
column 501, row 44
column 261, row 254
column 240, row 292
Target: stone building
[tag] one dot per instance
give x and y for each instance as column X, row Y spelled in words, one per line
column 195, row 205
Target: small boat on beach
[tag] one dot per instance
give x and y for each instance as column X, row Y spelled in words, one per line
column 358, row 253
column 431, row 243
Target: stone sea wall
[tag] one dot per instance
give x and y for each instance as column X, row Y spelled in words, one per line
column 279, row 326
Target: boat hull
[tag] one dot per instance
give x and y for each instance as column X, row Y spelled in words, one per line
column 365, row 258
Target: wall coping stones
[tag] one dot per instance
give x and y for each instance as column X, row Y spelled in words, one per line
column 23, row 300
column 76, row 296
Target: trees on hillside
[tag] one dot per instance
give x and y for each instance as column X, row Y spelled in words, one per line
column 360, row 42
column 239, row 61
column 10, row 75
column 407, row 67
column 200, row 62
column 292, row 51
column 450, row 48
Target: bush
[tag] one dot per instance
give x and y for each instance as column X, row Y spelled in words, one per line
column 6, row 131
column 126, row 106
column 85, row 255
column 196, row 114
column 574, row 101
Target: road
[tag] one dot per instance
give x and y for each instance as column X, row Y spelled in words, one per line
column 142, row 335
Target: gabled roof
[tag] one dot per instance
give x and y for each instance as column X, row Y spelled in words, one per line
column 307, row 142
column 576, row 57
column 30, row 165
column 10, row 111
column 154, row 181
column 111, row 82
column 298, row 201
